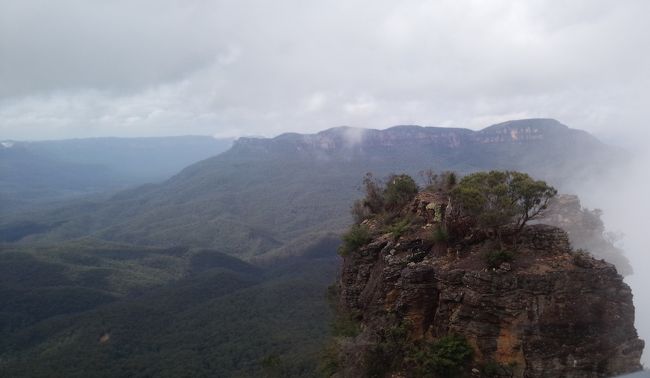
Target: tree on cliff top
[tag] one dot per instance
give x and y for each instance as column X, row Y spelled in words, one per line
column 502, row 198
column 398, row 191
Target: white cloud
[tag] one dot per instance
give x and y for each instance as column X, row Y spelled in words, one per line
column 360, row 106
column 315, row 102
column 176, row 67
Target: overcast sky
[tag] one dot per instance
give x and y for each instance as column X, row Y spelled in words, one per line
column 229, row 68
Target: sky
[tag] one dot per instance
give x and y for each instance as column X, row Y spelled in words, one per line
column 79, row 68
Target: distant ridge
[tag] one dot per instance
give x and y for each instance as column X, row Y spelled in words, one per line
column 263, row 193
column 346, row 138
column 36, row 173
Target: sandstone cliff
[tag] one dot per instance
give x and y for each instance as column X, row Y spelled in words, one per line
column 550, row 312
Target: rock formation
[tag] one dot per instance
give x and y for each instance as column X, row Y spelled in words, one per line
column 586, row 230
column 549, row 312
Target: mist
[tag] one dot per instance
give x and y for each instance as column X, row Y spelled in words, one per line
column 622, row 194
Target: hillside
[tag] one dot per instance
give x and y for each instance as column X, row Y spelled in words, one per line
column 34, row 174
column 263, row 193
column 107, row 310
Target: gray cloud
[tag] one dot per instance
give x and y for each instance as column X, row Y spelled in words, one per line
column 80, row 68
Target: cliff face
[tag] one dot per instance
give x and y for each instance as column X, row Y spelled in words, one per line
column 551, row 312
column 345, row 138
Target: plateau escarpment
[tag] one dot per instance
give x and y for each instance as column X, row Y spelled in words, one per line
column 440, row 297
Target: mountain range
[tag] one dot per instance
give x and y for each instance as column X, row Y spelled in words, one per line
column 263, row 193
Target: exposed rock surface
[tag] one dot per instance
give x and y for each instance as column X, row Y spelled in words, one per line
column 551, row 312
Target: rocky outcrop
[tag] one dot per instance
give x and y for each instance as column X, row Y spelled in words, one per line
column 550, row 312
column 586, row 230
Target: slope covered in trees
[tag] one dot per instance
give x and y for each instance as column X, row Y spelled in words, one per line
column 89, row 310
column 264, row 193
column 33, row 174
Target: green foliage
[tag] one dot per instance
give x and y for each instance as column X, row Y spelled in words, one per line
column 273, row 366
column 329, row 360
column 214, row 316
column 446, row 357
column 494, row 259
column 400, row 190
column 357, row 236
column 374, row 199
column 387, row 354
column 499, row 198
column 435, row 182
column 400, row 227
column 493, row 369
column 440, row 235
column 384, row 200
column 345, row 326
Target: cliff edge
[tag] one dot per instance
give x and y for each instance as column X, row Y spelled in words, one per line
column 430, row 303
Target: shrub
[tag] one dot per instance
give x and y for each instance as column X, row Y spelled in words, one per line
column 494, row 259
column 372, row 203
column 345, row 326
column 493, row 369
column 329, row 359
column 360, row 211
column 400, row 190
column 387, row 355
column 399, row 228
column 357, row 236
column 273, row 366
column 440, row 235
column 435, row 182
column 446, row 357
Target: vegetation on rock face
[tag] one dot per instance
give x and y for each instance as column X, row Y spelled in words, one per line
column 388, row 353
column 494, row 259
column 440, row 235
column 384, row 200
column 357, row 236
column 497, row 199
column 400, row 190
column 493, row 369
column 444, row 181
column 494, row 201
column 446, row 357
column 400, row 227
